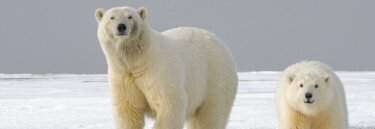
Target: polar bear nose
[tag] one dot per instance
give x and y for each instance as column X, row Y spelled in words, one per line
column 121, row 28
column 308, row 95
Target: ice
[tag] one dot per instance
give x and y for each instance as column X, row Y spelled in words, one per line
column 64, row 101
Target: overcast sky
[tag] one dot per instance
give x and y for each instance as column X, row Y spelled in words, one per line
column 44, row 36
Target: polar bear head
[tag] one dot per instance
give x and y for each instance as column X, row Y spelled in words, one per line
column 309, row 91
column 123, row 34
column 120, row 23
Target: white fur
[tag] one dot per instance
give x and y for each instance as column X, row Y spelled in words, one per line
column 328, row 111
column 182, row 74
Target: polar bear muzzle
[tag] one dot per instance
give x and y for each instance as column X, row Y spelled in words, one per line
column 121, row 28
column 309, row 98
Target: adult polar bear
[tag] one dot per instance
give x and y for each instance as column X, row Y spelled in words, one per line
column 310, row 96
column 183, row 74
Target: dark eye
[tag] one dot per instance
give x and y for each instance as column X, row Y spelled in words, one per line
column 301, row 85
column 316, row 86
column 130, row 17
column 112, row 18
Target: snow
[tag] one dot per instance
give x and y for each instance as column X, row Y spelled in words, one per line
column 66, row 101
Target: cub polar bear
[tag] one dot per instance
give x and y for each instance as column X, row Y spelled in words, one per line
column 182, row 74
column 310, row 96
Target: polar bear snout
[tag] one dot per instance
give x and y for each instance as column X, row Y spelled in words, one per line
column 309, row 98
column 308, row 95
column 121, row 28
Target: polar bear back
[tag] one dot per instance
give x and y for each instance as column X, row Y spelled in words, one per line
column 200, row 47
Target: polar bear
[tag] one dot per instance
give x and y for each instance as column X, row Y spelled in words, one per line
column 310, row 96
column 183, row 74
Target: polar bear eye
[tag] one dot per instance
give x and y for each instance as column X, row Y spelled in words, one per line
column 301, row 85
column 316, row 86
column 130, row 17
column 112, row 18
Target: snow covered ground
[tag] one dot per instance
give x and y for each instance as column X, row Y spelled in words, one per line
column 83, row 101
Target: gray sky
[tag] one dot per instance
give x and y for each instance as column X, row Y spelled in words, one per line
column 44, row 36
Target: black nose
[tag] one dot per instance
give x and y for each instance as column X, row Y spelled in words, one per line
column 308, row 95
column 121, row 28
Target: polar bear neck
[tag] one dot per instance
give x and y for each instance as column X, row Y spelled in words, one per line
column 130, row 52
column 132, row 49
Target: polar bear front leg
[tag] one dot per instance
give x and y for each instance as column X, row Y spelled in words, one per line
column 129, row 103
column 170, row 102
column 168, row 99
column 171, row 115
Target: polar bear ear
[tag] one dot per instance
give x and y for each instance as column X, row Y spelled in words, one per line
column 290, row 78
column 99, row 13
column 327, row 78
column 142, row 11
